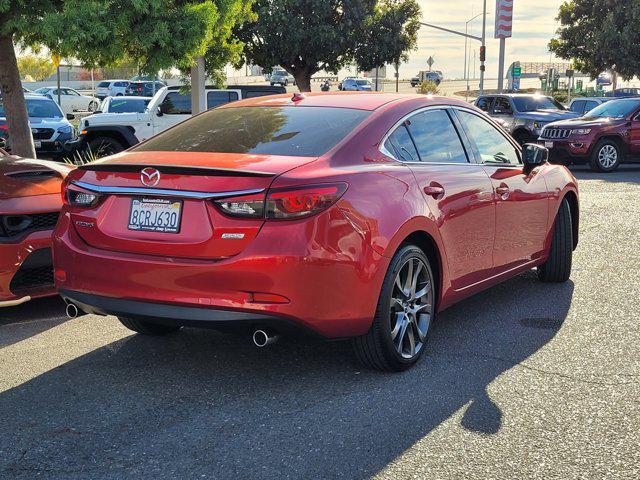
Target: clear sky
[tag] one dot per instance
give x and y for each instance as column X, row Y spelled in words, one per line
column 534, row 24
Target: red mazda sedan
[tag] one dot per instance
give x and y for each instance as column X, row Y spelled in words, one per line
column 345, row 214
column 29, row 207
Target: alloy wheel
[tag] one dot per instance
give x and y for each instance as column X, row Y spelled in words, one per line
column 411, row 308
column 607, row 156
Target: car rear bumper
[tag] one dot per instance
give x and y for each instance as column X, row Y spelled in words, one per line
column 26, row 270
column 295, row 272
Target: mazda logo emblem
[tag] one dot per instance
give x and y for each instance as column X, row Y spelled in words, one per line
column 34, row 130
column 149, row 177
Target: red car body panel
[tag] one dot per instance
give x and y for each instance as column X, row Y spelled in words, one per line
column 30, row 188
column 323, row 272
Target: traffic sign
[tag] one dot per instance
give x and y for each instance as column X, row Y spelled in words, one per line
column 56, row 59
column 517, row 71
column 430, row 62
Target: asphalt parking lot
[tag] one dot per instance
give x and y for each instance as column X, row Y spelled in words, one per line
column 526, row 380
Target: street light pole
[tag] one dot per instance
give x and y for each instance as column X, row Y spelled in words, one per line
column 484, row 31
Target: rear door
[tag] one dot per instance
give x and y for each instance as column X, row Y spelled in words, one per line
column 457, row 191
column 521, row 198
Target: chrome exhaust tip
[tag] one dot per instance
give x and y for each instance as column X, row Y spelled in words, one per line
column 263, row 338
column 72, row 310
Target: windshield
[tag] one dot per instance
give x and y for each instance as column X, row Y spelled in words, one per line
column 127, row 106
column 43, row 90
column 538, row 102
column 39, row 108
column 293, row 131
column 615, row 108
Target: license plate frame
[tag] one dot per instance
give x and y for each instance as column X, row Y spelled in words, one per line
column 165, row 205
column 548, row 144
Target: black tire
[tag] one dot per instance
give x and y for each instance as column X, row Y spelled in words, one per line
column 147, row 328
column 376, row 349
column 105, row 146
column 557, row 268
column 598, row 159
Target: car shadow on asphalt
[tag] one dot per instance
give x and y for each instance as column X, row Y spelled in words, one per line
column 204, row 404
column 29, row 319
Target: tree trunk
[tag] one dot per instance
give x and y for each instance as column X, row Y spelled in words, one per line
column 303, row 80
column 614, row 80
column 21, row 140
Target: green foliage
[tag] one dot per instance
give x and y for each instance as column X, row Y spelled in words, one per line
column 38, row 68
column 428, row 88
column 599, row 35
column 304, row 36
column 389, row 34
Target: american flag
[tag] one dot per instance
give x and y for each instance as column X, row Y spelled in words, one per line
column 504, row 18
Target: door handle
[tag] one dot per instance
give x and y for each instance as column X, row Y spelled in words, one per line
column 503, row 191
column 434, row 190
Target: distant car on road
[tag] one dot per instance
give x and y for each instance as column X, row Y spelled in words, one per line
column 70, row 100
column 624, row 92
column 582, row 105
column 434, row 76
column 605, row 137
column 357, row 85
column 281, row 77
column 50, row 128
column 525, row 114
column 143, row 89
column 30, row 204
column 124, row 105
column 112, row 88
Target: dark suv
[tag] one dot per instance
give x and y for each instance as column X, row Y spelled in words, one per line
column 523, row 114
column 143, row 89
column 607, row 137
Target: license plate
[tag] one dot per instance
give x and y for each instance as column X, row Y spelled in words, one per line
column 548, row 144
column 155, row 215
column 37, row 143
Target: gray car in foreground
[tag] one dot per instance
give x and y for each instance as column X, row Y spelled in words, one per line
column 524, row 114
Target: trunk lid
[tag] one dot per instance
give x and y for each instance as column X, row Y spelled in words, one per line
column 188, row 179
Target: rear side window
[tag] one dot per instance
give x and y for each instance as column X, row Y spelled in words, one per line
column 103, row 84
column 436, row 138
column 215, row 99
column 578, row 106
column 590, row 106
column 293, row 131
column 484, row 103
column 492, row 145
column 176, row 103
column 400, row 145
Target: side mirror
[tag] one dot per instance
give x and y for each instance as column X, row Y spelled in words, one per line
column 159, row 111
column 534, row 155
column 70, row 116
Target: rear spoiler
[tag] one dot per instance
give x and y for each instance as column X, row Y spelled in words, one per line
column 175, row 169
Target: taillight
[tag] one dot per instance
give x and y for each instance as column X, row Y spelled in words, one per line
column 77, row 197
column 284, row 203
column 248, row 206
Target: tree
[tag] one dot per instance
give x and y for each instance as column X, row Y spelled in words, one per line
column 37, row 67
column 157, row 33
column 600, row 35
column 304, row 36
column 389, row 34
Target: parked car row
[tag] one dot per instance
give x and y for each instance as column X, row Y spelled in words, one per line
column 603, row 132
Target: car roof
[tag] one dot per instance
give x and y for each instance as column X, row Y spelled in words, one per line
column 353, row 100
column 595, row 99
column 513, row 95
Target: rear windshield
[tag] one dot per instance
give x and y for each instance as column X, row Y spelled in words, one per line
column 294, row 131
column 363, row 82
